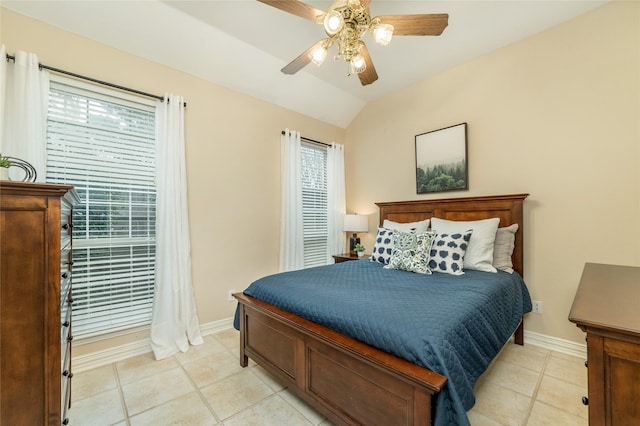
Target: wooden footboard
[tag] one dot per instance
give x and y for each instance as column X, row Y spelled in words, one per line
column 349, row 382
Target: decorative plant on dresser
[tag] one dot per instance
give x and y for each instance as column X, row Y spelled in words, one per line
column 35, row 303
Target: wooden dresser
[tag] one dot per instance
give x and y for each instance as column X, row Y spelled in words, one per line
column 35, row 303
column 607, row 308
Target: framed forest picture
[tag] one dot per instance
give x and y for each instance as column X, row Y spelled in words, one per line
column 441, row 160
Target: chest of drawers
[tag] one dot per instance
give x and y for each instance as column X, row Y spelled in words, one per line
column 35, row 303
column 607, row 308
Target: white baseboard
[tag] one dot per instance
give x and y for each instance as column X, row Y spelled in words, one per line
column 555, row 344
column 118, row 353
column 216, row 326
column 140, row 347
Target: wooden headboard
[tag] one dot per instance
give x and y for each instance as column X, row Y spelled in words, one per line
column 506, row 207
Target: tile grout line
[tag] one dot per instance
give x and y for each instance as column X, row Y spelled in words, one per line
column 200, row 395
column 534, row 395
column 121, row 394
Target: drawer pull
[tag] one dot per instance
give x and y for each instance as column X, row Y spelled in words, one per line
column 65, row 421
column 585, row 400
column 65, row 324
column 586, row 364
column 65, row 275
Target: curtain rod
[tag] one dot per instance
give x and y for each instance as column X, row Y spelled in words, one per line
column 93, row 80
column 311, row 140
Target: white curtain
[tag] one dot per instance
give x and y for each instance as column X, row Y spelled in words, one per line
column 336, row 204
column 291, row 232
column 24, row 92
column 174, row 323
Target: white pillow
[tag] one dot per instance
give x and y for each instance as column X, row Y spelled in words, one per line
column 417, row 227
column 503, row 248
column 479, row 254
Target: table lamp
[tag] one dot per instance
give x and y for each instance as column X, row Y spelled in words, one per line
column 355, row 223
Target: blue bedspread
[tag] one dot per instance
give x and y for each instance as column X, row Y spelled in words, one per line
column 453, row 325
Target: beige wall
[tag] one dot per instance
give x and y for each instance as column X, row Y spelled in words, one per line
column 233, row 159
column 556, row 115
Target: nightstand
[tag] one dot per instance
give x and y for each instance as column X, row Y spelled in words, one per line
column 345, row 257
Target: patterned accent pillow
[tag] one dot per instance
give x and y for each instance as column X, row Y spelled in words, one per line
column 411, row 252
column 384, row 246
column 447, row 253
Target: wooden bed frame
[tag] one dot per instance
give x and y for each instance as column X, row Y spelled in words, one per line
column 350, row 382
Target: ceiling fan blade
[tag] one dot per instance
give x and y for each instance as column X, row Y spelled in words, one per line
column 417, row 25
column 301, row 61
column 297, row 8
column 369, row 75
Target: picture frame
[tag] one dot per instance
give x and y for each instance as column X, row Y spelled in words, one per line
column 441, row 160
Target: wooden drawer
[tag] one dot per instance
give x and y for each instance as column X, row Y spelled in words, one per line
column 65, row 326
column 65, row 369
column 65, row 228
column 65, row 400
column 65, row 280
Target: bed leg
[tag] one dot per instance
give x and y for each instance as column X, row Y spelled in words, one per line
column 519, row 334
column 244, row 359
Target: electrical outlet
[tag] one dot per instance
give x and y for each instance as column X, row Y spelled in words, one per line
column 230, row 297
column 537, row 306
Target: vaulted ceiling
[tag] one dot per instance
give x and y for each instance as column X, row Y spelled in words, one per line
column 243, row 44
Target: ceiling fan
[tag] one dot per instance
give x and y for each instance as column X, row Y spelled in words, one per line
column 345, row 22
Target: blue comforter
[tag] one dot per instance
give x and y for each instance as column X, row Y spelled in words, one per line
column 453, row 325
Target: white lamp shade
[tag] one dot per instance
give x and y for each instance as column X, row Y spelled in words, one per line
column 356, row 223
column 333, row 22
column 358, row 64
column 318, row 54
column 382, row 33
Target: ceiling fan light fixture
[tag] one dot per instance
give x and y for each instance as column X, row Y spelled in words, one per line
column 382, row 33
column 333, row 22
column 345, row 22
column 358, row 64
column 318, row 54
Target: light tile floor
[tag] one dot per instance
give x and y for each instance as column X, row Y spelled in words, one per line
column 206, row 386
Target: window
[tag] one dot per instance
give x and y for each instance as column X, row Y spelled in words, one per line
column 103, row 142
column 314, row 203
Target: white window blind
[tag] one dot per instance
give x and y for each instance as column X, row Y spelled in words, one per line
column 103, row 143
column 314, row 204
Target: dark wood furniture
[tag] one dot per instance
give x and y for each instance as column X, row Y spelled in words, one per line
column 345, row 257
column 607, row 307
column 347, row 381
column 35, row 305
